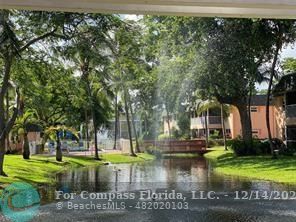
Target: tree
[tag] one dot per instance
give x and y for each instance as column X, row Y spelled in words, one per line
column 127, row 64
column 56, row 133
column 21, row 125
column 50, row 90
column 9, row 50
column 289, row 65
column 171, row 54
column 89, row 50
column 169, row 80
column 234, row 49
column 222, row 109
column 19, row 31
column 283, row 32
column 202, row 108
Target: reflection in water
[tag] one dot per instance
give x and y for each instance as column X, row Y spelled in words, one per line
column 182, row 175
column 171, row 173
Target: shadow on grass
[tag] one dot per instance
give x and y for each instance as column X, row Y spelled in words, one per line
column 260, row 162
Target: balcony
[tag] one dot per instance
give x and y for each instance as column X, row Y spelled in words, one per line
column 291, row 111
column 291, row 114
column 199, row 122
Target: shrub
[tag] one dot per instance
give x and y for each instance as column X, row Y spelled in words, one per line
column 256, row 147
column 163, row 137
column 216, row 142
column 215, row 135
column 238, row 146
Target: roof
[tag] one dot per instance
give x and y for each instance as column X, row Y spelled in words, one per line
column 209, row 8
column 33, row 127
column 286, row 84
column 258, row 100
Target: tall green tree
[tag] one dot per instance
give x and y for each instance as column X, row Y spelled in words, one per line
column 283, row 33
column 234, row 49
column 90, row 51
column 19, row 31
column 127, row 65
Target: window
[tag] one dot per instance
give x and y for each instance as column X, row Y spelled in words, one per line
column 256, row 133
column 291, row 132
column 254, row 109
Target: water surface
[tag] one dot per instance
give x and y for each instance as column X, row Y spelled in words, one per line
column 178, row 174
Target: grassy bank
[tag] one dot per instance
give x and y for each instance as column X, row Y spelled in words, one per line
column 41, row 169
column 181, row 155
column 255, row 167
column 120, row 158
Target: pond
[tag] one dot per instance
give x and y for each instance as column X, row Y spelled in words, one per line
column 209, row 197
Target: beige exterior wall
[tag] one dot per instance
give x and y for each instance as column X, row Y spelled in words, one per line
column 173, row 124
column 32, row 137
column 277, row 122
column 258, row 122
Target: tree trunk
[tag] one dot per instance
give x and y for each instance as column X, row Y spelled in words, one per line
column 7, row 117
column 206, row 128
column 274, row 62
column 3, row 120
column 94, row 120
column 26, row 147
column 168, row 122
column 43, row 141
column 249, row 105
column 2, row 154
column 246, row 124
column 145, row 124
column 128, row 124
column 116, row 122
column 96, row 142
column 134, row 126
column 223, row 127
column 59, row 155
column 86, row 130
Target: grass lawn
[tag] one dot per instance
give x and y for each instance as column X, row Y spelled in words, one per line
column 181, row 155
column 281, row 170
column 125, row 158
column 41, row 169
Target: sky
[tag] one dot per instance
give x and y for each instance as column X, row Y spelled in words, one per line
column 289, row 51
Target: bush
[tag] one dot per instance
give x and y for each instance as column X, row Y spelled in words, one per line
column 215, row 135
column 238, row 146
column 216, row 142
column 261, row 147
column 243, row 148
column 256, row 147
column 163, row 137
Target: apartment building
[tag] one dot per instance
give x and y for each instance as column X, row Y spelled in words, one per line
column 284, row 94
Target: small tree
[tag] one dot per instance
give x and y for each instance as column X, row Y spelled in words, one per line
column 54, row 133
column 21, row 128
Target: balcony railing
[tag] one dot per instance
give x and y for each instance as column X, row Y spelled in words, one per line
column 291, row 111
column 214, row 119
column 201, row 120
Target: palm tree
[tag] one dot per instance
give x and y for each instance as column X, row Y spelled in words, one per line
column 203, row 106
column 224, row 110
column 54, row 133
column 21, row 127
